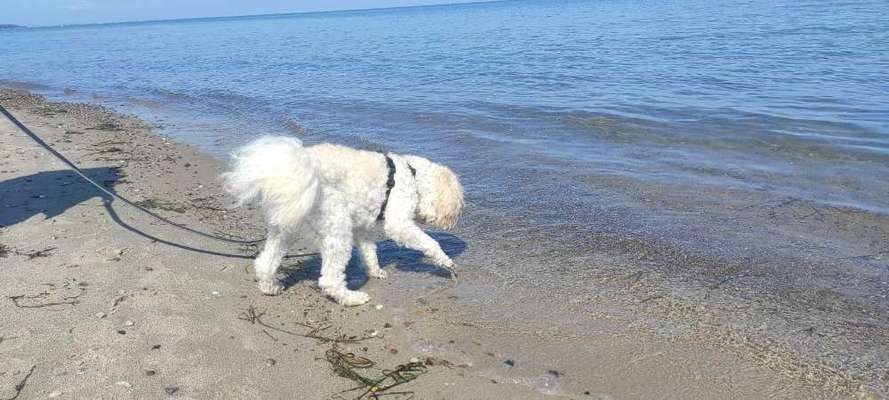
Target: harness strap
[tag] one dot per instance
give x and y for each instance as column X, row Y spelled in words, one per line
column 390, row 183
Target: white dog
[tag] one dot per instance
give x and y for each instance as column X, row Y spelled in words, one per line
column 342, row 196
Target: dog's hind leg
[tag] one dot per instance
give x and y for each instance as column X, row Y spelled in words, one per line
column 336, row 250
column 368, row 250
column 266, row 264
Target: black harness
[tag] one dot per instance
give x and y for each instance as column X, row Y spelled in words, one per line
column 390, row 183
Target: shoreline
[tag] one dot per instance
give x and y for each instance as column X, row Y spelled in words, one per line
column 157, row 169
column 100, row 311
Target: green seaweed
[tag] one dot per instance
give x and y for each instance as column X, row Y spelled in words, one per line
column 254, row 317
column 48, row 110
column 356, row 369
column 161, row 204
column 107, row 126
column 37, row 253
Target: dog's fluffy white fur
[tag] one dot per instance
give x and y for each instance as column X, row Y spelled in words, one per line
column 335, row 193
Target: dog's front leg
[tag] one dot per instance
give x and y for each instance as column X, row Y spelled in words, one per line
column 368, row 250
column 266, row 264
column 410, row 235
column 336, row 250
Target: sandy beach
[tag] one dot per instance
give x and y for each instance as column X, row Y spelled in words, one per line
column 94, row 310
column 95, row 305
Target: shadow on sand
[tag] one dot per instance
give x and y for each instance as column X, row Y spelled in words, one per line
column 52, row 193
column 391, row 256
column 49, row 193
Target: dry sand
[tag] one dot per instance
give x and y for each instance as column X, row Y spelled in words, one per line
column 93, row 306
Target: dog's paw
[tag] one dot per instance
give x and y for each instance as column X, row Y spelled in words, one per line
column 271, row 287
column 443, row 262
column 379, row 274
column 352, row 298
column 451, row 267
column 446, row 263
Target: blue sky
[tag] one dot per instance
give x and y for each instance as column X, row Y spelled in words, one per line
column 56, row 12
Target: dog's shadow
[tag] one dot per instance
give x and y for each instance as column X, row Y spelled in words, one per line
column 52, row 193
column 391, row 256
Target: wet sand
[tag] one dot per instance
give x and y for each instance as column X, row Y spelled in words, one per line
column 94, row 306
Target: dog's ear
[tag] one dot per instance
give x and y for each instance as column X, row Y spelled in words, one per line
column 447, row 197
column 440, row 199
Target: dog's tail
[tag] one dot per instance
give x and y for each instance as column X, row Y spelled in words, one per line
column 277, row 171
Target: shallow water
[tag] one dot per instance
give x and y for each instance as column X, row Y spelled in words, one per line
column 741, row 143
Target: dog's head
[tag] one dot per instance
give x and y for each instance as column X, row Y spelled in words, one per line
column 440, row 199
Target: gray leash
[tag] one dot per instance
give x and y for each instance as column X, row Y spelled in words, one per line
column 101, row 188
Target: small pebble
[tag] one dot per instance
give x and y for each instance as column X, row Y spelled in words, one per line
column 415, row 359
column 124, row 384
column 374, row 333
column 393, row 350
column 155, row 347
column 54, row 394
column 379, row 307
column 215, row 293
column 171, row 390
column 122, row 332
column 387, row 325
column 128, row 323
column 100, row 315
column 270, row 362
column 511, row 363
column 150, row 372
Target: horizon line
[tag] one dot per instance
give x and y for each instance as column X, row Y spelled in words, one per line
column 217, row 17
